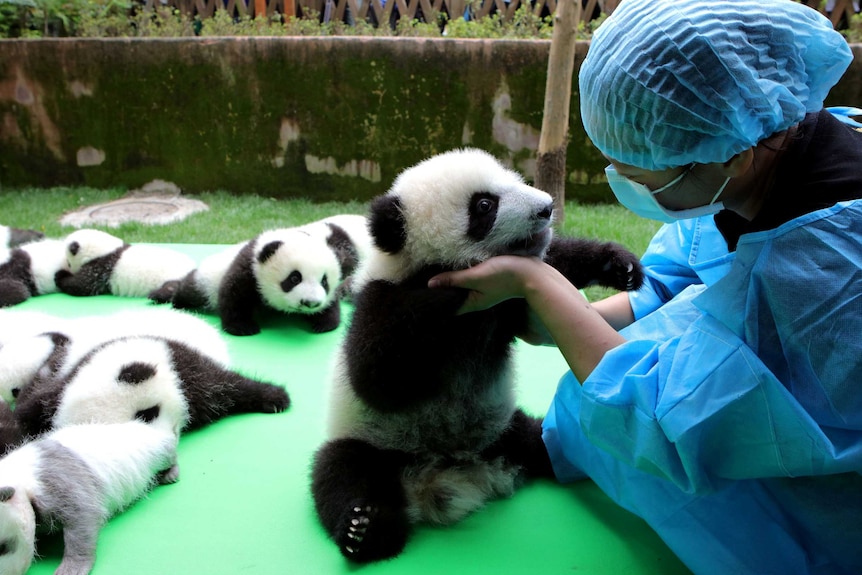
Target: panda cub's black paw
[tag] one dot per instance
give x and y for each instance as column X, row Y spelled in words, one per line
column 165, row 293
column 13, row 292
column 241, row 328
column 370, row 533
column 274, row 399
column 623, row 270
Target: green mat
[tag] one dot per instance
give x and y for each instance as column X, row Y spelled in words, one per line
column 242, row 504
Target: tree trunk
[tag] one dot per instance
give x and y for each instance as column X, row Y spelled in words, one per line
column 551, row 157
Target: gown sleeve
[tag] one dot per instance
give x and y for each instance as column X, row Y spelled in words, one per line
column 754, row 377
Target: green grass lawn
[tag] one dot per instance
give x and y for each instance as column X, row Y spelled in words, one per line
column 233, row 218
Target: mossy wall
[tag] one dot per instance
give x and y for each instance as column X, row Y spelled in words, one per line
column 324, row 118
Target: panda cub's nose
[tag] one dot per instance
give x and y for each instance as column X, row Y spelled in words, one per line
column 311, row 304
column 546, row 212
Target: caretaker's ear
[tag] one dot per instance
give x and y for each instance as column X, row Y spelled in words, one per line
column 387, row 224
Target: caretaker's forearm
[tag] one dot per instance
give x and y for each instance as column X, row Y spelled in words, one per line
column 580, row 332
column 616, row 309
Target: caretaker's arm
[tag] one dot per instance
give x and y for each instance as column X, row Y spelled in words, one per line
column 580, row 332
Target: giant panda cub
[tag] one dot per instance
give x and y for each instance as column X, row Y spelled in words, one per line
column 297, row 271
column 29, row 270
column 76, row 478
column 154, row 379
column 14, row 237
column 100, row 263
column 37, row 345
column 423, row 425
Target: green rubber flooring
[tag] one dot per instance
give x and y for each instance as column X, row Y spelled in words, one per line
column 242, row 504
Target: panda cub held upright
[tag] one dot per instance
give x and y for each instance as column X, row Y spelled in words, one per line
column 423, row 424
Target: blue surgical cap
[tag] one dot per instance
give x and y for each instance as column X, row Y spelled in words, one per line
column 671, row 82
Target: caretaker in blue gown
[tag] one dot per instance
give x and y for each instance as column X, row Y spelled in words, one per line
column 722, row 401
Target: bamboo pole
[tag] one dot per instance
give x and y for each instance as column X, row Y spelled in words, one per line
column 551, row 156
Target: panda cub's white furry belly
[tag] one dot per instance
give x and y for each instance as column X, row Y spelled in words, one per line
column 143, row 269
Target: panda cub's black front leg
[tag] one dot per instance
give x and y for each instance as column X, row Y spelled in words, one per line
column 360, row 500
column 586, row 262
column 327, row 319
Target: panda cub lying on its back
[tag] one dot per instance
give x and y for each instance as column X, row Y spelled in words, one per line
column 298, row 270
column 100, row 263
column 150, row 378
column 76, row 479
column 423, row 424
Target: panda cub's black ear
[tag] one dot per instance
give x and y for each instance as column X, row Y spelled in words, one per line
column 387, row 224
column 268, row 250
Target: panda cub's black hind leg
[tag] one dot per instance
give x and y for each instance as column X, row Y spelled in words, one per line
column 522, row 444
column 360, row 500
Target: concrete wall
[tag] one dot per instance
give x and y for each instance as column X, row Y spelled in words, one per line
column 325, row 118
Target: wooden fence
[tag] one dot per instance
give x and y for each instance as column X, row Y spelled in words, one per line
column 375, row 11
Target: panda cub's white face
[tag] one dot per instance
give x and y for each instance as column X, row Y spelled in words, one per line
column 83, row 246
column 458, row 209
column 17, row 518
column 123, row 380
column 296, row 272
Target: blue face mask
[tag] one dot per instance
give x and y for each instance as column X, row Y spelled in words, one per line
column 641, row 200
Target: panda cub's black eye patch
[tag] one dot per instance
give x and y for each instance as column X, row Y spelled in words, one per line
column 7, row 546
column 483, row 214
column 148, row 415
column 324, row 283
column 293, row 280
column 136, row 372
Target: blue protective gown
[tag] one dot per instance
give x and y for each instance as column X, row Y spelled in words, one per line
column 731, row 419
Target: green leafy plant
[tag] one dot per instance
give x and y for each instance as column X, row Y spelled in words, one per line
column 853, row 33
column 13, row 17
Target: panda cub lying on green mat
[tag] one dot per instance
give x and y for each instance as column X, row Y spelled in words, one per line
column 423, row 424
column 301, row 271
column 76, row 478
column 161, row 366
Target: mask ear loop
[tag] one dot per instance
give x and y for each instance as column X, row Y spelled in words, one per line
column 673, row 182
column 721, row 189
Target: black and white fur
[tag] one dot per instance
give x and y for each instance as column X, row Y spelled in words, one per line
column 100, row 263
column 297, row 270
column 75, row 479
column 14, row 237
column 154, row 379
column 423, row 425
column 11, row 434
column 25, row 346
column 36, row 344
column 29, row 270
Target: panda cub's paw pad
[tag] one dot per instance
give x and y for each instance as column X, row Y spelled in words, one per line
column 623, row 270
column 357, row 527
column 371, row 533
